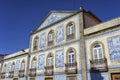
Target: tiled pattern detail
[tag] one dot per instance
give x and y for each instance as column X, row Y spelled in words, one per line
column 8, row 79
column 60, row 33
column 60, row 77
column 22, row 78
column 42, row 40
column 79, row 77
column 17, row 67
column 41, row 61
column 97, row 76
column 114, row 47
column 40, row 78
column 52, row 18
column 115, row 66
column 59, row 61
column 95, row 37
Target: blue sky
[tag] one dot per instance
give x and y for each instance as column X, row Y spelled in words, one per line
column 19, row 17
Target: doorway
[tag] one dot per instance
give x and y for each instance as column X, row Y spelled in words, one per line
column 115, row 76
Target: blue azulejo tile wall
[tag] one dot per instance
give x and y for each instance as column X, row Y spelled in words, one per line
column 79, row 77
column 97, row 76
column 22, row 78
column 39, row 77
column 60, row 77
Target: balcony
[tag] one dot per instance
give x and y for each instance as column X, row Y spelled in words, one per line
column 21, row 73
column 71, row 36
column 11, row 74
column 99, row 65
column 49, row 70
column 50, row 43
column 71, row 68
column 3, row 75
column 32, row 72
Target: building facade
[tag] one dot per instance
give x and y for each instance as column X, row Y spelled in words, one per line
column 68, row 45
column 15, row 66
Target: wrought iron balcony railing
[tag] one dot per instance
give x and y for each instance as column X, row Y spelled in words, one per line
column 49, row 70
column 32, row 72
column 21, row 73
column 71, row 68
column 99, row 64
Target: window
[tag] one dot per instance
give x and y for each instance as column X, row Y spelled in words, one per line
column 4, row 69
column 50, row 37
column 70, row 30
column 50, row 60
column 23, row 65
column 35, row 44
column 97, row 51
column 33, row 65
column 13, row 66
column 71, row 55
column 0, row 65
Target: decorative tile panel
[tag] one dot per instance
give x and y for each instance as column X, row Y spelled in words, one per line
column 79, row 77
column 59, row 58
column 40, row 78
column 42, row 40
column 17, row 67
column 114, row 47
column 60, row 77
column 60, row 33
column 41, row 61
column 53, row 17
column 22, row 78
column 97, row 76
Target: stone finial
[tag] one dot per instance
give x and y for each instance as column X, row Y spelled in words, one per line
column 81, row 8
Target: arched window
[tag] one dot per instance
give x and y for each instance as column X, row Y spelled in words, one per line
column 70, row 30
column 50, row 37
column 35, row 43
column 71, row 56
column 4, row 69
column 50, row 60
column 23, row 65
column 33, row 64
column 13, row 66
column 97, row 51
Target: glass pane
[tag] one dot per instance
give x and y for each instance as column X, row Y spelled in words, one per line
column 49, row 61
column 97, row 45
column 95, row 56
column 23, row 66
column 68, row 31
column 100, row 53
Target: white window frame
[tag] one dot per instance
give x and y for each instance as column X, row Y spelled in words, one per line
column 71, row 58
column 70, row 29
column 97, row 51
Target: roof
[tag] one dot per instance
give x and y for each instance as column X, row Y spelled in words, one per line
column 52, row 17
column 18, row 53
column 102, row 26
